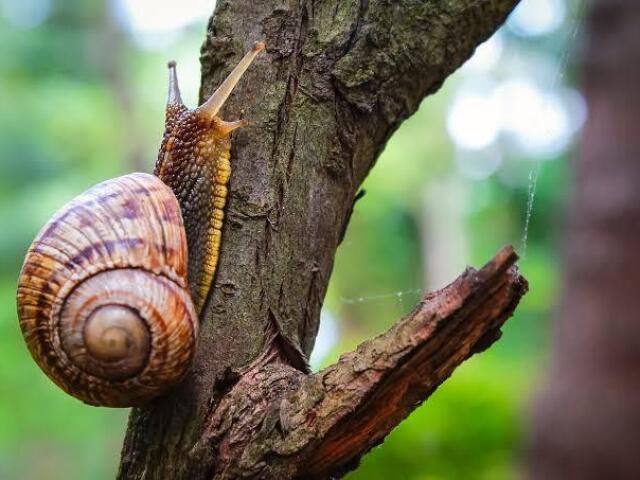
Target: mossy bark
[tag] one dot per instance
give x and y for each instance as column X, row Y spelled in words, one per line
column 336, row 81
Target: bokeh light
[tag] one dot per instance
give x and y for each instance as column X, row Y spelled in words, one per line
column 537, row 120
column 537, row 17
column 487, row 55
column 473, row 121
column 156, row 24
column 326, row 340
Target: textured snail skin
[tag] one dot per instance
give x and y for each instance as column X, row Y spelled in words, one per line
column 111, row 268
column 194, row 161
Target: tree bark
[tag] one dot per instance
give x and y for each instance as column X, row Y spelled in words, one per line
column 586, row 422
column 338, row 78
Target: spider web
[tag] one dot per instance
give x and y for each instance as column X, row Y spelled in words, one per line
column 534, row 173
column 401, row 301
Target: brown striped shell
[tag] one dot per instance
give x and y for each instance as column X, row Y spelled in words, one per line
column 103, row 299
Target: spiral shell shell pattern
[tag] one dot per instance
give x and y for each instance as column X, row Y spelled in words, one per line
column 103, row 300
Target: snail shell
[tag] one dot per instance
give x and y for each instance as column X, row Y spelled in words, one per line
column 103, row 298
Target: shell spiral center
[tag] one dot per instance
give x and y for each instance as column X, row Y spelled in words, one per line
column 116, row 332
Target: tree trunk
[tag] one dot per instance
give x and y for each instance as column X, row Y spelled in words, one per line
column 337, row 80
column 586, row 422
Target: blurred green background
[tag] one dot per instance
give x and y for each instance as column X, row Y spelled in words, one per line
column 82, row 88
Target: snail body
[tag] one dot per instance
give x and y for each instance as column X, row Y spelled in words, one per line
column 111, row 288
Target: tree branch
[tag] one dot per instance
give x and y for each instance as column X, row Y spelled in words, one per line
column 336, row 82
column 374, row 388
column 279, row 423
column 338, row 78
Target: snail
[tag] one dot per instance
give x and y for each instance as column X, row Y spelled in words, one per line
column 111, row 288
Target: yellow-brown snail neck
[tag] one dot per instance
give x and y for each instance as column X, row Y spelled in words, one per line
column 194, row 160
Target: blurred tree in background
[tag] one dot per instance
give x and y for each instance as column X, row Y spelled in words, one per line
column 82, row 90
column 586, row 420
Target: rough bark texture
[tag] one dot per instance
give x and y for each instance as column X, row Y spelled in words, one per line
column 336, row 81
column 587, row 421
